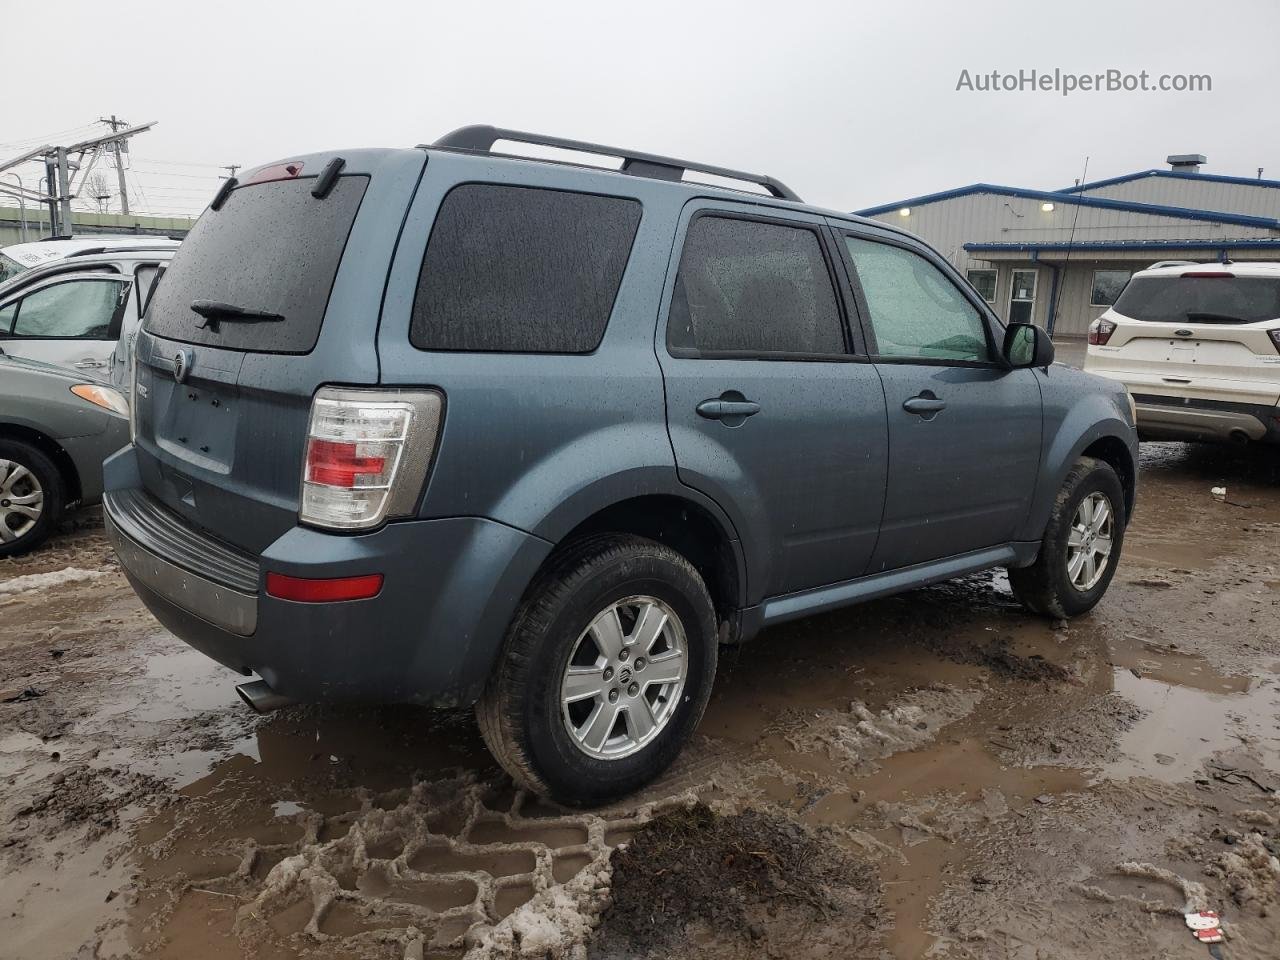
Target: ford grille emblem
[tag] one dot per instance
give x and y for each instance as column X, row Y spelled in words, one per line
column 1183, row 333
column 181, row 366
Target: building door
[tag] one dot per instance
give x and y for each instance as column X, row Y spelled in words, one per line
column 1022, row 296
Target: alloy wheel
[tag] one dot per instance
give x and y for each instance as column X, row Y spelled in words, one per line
column 624, row 677
column 1089, row 542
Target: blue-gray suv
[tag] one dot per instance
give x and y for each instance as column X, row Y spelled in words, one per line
column 447, row 426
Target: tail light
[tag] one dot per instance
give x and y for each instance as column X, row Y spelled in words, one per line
column 367, row 457
column 1208, row 274
column 1100, row 331
column 1275, row 337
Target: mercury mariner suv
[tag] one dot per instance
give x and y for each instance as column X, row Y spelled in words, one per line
column 447, row 426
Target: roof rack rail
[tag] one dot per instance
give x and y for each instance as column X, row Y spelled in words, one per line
column 481, row 138
column 129, row 248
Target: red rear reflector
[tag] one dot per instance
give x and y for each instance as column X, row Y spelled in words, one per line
column 1207, row 273
column 338, row 464
column 329, row 590
column 277, row 171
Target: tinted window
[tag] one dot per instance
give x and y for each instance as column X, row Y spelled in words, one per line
column 1107, row 285
column 81, row 309
column 746, row 287
column 6, row 317
column 915, row 310
column 272, row 247
column 984, row 281
column 144, row 279
column 521, row 270
column 1201, row 299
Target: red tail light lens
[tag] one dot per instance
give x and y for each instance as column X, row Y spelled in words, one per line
column 367, row 455
column 328, row 590
column 1275, row 337
column 1100, row 331
column 336, row 464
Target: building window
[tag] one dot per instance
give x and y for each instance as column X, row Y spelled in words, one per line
column 984, row 281
column 1107, row 285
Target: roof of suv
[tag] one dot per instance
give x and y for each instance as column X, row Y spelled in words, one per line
column 1237, row 269
column 55, row 248
column 90, row 258
column 481, row 139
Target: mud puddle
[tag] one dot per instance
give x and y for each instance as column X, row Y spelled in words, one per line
column 995, row 777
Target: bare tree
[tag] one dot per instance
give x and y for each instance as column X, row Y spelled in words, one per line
column 98, row 188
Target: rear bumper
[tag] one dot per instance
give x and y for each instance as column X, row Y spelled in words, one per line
column 1179, row 418
column 430, row 636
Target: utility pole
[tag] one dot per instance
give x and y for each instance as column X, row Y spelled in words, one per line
column 119, row 146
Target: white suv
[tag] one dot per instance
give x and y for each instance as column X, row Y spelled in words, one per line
column 1198, row 347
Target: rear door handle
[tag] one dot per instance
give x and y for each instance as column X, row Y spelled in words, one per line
column 89, row 364
column 727, row 409
column 926, row 405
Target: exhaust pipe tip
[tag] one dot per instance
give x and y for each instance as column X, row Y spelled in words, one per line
column 261, row 697
column 1239, row 437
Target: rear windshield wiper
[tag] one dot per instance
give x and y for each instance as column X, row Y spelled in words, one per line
column 1214, row 318
column 215, row 312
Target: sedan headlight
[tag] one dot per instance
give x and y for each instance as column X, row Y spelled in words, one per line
column 101, row 396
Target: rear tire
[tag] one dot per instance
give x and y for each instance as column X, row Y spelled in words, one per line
column 1060, row 583
column 560, row 645
column 32, row 495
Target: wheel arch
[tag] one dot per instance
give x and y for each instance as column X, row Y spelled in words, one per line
column 51, row 449
column 694, row 530
column 1115, row 452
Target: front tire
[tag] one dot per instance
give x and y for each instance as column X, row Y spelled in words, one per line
column 32, row 496
column 1081, row 545
column 605, row 671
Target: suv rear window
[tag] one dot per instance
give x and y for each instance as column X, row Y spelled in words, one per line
column 522, row 270
column 272, row 247
column 1200, row 299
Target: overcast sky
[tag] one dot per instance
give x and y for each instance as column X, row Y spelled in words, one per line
column 851, row 104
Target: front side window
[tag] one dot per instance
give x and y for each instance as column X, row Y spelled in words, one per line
column 984, row 281
column 1107, row 285
column 749, row 288
column 522, row 270
column 915, row 310
column 75, row 309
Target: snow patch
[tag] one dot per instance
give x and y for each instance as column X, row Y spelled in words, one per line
column 44, row 581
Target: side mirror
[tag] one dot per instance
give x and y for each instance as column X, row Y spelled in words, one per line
column 1026, row 345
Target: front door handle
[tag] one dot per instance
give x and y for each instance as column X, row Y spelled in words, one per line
column 926, row 405
column 728, row 410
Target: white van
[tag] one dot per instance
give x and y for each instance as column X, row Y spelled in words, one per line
column 1198, row 347
column 82, row 310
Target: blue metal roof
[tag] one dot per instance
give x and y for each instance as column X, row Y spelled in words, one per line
column 1256, row 243
column 1152, row 209
column 1172, row 175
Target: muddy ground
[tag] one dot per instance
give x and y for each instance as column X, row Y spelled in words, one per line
column 937, row 774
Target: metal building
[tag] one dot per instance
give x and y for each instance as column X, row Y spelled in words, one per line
column 1060, row 258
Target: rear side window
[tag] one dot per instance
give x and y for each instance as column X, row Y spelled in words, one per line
column 521, row 270
column 1201, row 299
column 271, row 248
column 749, row 288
